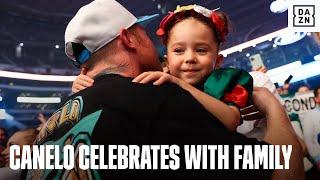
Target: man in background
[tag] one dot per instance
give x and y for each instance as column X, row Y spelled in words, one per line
column 3, row 142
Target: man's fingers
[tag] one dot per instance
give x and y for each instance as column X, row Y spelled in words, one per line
column 248, row 109
column 250, row 113
column 252, row 116
column 258, row 88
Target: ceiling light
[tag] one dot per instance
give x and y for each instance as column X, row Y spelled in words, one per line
column 2, row 114
column 279, row 6
column 38, row 77
column 253, row 42
column 289, row 37
column 38, row 99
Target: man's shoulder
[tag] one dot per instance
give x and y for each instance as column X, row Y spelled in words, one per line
column 121, row 93
column 117, row 83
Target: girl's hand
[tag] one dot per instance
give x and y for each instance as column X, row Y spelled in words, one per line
column 81, row 82
column 156, row 77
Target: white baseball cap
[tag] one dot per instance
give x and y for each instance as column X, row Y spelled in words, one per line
column 95, row 25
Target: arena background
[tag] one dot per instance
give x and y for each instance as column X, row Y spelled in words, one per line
column 32, row 42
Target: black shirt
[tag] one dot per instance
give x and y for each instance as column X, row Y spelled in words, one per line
column 115, row 111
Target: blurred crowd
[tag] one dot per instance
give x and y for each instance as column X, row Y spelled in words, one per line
column 306, row 125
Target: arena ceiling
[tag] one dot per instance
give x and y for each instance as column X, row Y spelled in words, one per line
column 251, row 18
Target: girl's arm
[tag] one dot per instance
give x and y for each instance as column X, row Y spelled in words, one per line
column 228, row 115
column 81, row 82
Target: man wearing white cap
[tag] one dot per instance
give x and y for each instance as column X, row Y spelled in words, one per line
column 94, row 27
column 108, row 41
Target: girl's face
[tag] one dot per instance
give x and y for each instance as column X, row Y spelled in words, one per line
column 192, row 51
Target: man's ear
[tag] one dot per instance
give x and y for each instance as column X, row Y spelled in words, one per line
column 127, row 39
column 219, row 61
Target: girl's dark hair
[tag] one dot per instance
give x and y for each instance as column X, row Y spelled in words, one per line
column 182, row 15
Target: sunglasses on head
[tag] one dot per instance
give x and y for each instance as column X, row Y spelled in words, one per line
column 81, row 54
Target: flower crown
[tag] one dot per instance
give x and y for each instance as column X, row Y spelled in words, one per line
column 211, row 14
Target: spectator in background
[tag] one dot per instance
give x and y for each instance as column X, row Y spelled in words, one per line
column 317, row 100
column 316, row 36
column 42, row 119
column 284, row 90
column 3, row 135
column 303, row 89
column 3, row 142
column 23, row 137
column 262, row 69
column 296, row 120
column 316, row 92
column 310, row 122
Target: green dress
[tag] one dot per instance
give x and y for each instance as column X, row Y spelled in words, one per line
column 230, row 85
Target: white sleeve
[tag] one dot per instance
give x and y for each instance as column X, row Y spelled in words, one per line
column 262, row 80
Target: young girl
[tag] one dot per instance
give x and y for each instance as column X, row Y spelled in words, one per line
column 192, row 35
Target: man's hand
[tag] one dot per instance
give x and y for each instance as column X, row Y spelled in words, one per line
column 264, row 100
column 279, row 131
column 251, row 113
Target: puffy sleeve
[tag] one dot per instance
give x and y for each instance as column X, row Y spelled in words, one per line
column 232, row 86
